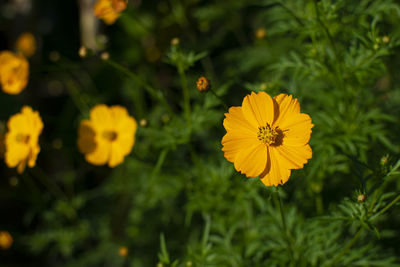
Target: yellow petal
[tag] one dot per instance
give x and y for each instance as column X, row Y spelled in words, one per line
column 296, row 130
column 15, row 152
column 235, row 121
column 33, row 155
column 233, row 142
column 116, row 156
column 101, row 118
column 293, row 157
column 100, row 155
column 258, row 109
column 86, row 137
column 252, row 160
column 123, row 123
column 277, row 174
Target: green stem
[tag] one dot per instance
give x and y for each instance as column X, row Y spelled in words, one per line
column 219, row 98
column 138, row 80
column 291, row 13
column 186, row 98
column 278, row 203
column 394, row 201
column 348, row 246
column 50, row 185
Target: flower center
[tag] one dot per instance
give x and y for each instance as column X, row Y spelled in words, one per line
column 267, row 134
column 23, row 138
column 110, row 135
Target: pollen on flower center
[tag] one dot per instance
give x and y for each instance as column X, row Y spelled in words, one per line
column 110, row 135
column 23, row 138
column 267, row 134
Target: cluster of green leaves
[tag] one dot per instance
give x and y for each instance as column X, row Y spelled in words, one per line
column 176, row 196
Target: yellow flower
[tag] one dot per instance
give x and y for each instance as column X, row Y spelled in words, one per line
column 6, row 240
column 108, row 136
column 26, row 44
column 14, row 72
column 109, row 10
column 123, row 251
column 22, row 139
column 267, row 137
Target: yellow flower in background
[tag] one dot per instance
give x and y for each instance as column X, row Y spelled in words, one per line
column 22, row 139
column 108, row 136
column 109, row 10
column 267, row 137
column 6, row 240
column 26, row 44
column 14, row 72
column 123, row 251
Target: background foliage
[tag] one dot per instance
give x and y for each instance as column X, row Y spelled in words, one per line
column 176, row 201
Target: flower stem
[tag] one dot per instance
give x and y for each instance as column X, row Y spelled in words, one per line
column 386, row 208
column 348, row 246
column 219, row 98
column 136, row 78
column 186, row 97
column 278, row 203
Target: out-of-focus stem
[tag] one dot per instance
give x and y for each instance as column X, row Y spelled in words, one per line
column 394, row 201
column 138, row 80
column 278, row 202
column 88, row 24
column 186, row 98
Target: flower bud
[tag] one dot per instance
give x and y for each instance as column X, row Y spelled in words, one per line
column 203, row 84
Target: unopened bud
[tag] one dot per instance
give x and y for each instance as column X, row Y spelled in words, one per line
column 6, row 240
column 261, row 33
column 54, row 56
column 105, row 56
column 82, row 52
column 143, row 122
column 175, row 41
column 385, row 39
column 123, row 251
column 384, row 160
column 13, row 181
column 203, row 84
column 361, row 198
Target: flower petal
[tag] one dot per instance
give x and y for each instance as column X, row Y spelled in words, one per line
column 86, row 137
column 101, row 117
column 293, row 157
column 100, row 155
column 278, row 173
column 287, row 107
column 233, row 142
column 252, row 160
column 258, row 109
column 116, row 155
column 296, row 130
column 235, row 121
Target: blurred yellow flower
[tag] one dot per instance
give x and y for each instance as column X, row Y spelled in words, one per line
column 123, row 251
column 22, row 139
column 14, row 72
column 267, row 137
column 6, row 240
column 109, row 10
column 261, row 33
column 108, row 136
column 26, row 44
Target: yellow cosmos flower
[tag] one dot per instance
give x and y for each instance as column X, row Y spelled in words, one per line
column 109, row 10
column 26, row 44
column 267, row 137
column 14, row 72
column 6, row 240
column 108, row 136
column 22, row 139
